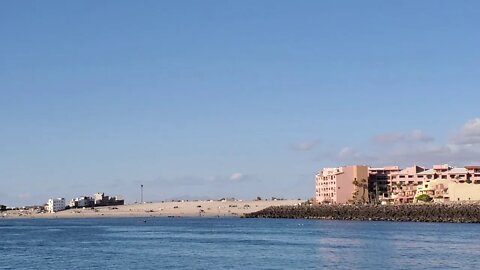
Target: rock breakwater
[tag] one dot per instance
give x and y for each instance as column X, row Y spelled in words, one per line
column 457, row 213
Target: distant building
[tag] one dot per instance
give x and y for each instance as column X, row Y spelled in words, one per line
column 461, row 184
column 55, row 205
column 81, row 202
column 403, row 184
column 348, row 184
column 462, row 192
column 100, row 199
column 378, row 182
column 436, row 189
column 116, row 200
column 227, row 199
column 442, row 183
column 3, row 208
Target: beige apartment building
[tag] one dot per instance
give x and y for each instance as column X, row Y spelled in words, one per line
column 403, row 184
column 447, row 184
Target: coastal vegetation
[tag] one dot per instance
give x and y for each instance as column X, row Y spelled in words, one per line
column 424, row 198
column 360, row 191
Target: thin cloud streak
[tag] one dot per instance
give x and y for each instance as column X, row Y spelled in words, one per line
column 305, row 146
column 416, row 147
column 415, row 136
column 469, row 133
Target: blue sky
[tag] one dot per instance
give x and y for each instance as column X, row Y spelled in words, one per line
column 200, row 99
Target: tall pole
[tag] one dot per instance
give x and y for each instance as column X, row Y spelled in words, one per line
column 141, row 192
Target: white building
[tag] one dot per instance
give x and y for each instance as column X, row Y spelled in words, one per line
column 81, row 202
column 55, row 205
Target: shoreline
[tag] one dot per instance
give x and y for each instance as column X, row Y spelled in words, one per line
column 165, row 209
column 443, row 213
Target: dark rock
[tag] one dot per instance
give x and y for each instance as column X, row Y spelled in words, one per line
column 463, row 213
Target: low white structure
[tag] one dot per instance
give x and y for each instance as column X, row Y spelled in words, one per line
column 80, row 202
column 55, row 205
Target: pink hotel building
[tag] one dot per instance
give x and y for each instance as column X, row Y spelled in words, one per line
column 394, row 185
column 335, row 185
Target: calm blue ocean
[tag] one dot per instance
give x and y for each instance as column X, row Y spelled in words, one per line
column 233, row 243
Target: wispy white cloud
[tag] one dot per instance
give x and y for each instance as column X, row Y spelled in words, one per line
column 416, row 147
column 305, row 146
column 399, row 137
column 213, row 186
column 348, row 153
column 469, row 133
column 241, row 177
column 24, row 196
column 198, row 180
column 436, row 154
column 237, row 177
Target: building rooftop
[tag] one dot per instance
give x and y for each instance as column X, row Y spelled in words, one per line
column 427, row 172
column 386, row 168
column 441, row 167
column 458, row 171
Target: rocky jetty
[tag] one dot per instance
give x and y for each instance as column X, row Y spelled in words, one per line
column 458, row 213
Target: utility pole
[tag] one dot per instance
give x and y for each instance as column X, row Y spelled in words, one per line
column 141, row 192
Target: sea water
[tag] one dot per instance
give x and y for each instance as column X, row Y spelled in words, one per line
column 234, row 243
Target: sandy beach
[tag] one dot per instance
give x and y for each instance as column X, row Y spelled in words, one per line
column 161, row 209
